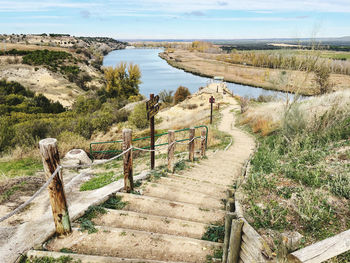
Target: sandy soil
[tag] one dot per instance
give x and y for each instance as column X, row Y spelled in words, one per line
column 41, row 80
column 207, row 65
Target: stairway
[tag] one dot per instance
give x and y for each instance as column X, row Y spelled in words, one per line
column 165, row 219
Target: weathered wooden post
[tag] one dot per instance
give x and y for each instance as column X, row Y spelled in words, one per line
column 235, row 241
column 127, row 158
column 191, row 145
column 211, row 101
column 51, row 160
column 171, row 150
column 230, row 205
column 228, row 224
column 203, row 142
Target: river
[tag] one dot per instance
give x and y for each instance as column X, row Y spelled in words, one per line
column 158, row 75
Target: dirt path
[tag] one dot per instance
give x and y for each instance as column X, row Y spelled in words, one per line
column 166, row 221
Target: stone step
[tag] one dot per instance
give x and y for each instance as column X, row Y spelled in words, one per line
column 151, row 223
column 32, row 254
column 126, row 243
column 180, row 195
column 179, row 210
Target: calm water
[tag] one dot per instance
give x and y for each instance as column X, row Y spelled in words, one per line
column 158, row 75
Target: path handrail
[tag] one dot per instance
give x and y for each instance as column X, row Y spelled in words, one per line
column 92, row 152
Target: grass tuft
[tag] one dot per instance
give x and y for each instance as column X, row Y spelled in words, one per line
column 99, row 180
column 114, row 202
column 214, row 233
column 86, row 220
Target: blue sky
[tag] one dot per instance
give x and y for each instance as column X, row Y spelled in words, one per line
column 179, row 19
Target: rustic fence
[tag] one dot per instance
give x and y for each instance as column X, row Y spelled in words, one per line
column 53, row 171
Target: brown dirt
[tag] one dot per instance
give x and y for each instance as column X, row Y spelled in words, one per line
column 21, row 187
column 207, row 65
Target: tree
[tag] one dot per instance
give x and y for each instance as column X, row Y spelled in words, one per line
column 123, row 80
column 181, row 94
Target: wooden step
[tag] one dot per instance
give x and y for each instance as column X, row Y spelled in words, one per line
column 180, row 195
column 210, row 176
column 126, row 243
column 179, row 210
column 151, row 223
column 32, row 254
column 196, row 186
column 201, row 180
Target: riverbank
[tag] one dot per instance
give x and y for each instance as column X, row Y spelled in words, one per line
column 206, row 65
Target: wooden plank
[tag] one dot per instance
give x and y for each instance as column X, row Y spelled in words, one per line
column 245, row 255
column 323, row 250
column 254, row 251
column 239, row 209
column 235, row 241
column 251, row 233
column 228, row 223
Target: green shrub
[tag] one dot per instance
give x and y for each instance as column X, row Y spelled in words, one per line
column 138, row 117
column 181, row 94
column 84, row 127
column 214, row 233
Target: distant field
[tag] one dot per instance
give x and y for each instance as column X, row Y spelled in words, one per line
column 336, row 55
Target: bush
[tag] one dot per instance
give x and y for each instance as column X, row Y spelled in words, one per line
column 84, row 127
column 138, row 117
column 181, row 94
column 322, row 75
column 6, row 133
column 68, row 140
column 166, row 96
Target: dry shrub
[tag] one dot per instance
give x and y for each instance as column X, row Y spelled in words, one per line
column 181, row 94
column 70, row 140
column 21, row 152
column 189, row 106
column 244, row 103
column 246, row 119
column 264, row 126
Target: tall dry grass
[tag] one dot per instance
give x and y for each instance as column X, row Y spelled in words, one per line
column 308, row 114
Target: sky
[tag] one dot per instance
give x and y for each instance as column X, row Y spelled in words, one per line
column 178, row 19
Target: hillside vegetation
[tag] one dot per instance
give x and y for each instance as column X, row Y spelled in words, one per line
column 299, row 176
column 61, row 67
column 26, row 118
